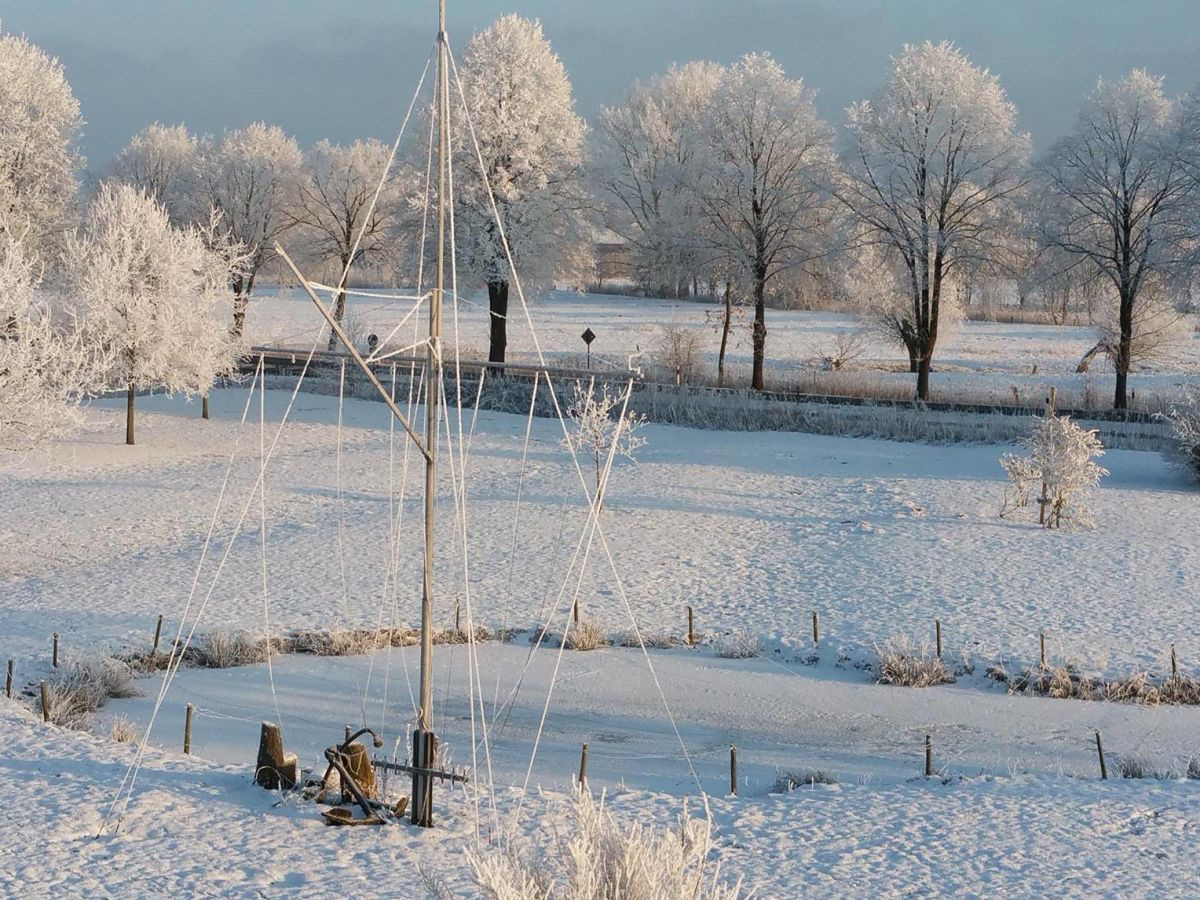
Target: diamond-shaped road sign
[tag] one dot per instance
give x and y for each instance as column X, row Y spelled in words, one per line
column 588, row 336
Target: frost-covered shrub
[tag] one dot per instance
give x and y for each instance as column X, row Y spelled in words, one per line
column 1132, row 766
column 904, row 663
column 1060, row 456
column 224, row 649
column 597, row 427
column 84, row 686
column 1184, row 420
column 786, row 782
column 738, row 644
column 598, row 858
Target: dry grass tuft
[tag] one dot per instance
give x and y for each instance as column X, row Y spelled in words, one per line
column 657, row 640
column 904, row 663
column 86, row 685
column 124, row 731
column 586, row 634
column 340, row 641
column 738, row 644
column 225, row 649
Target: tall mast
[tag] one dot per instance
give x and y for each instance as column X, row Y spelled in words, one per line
column 424, row 745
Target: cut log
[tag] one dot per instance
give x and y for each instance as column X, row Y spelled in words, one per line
column 275, row 769
column 358, row 763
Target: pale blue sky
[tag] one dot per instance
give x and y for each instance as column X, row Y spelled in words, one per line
column 345, row 68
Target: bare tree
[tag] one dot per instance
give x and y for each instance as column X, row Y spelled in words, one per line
column 933, row 160
column 763, row 191
column 1118, row 197
column 336, row 207
column 250, row 178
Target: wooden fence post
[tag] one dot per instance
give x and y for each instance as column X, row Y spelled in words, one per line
column 583, row 761
column 691, row 628
column 45, row 703
column 157, row 638
column 1043, row 642
column 1045, row 500
column 1174, row 663
column 928, row 756
column 8, row 681
column 1100, row 753
column 56, row 649
column 733, row 770
column 937, row 627
column 187, row 729
column 816, row 628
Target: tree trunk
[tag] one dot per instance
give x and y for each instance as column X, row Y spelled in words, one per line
column 498, row 340
column 760, row 331
column 129, row 415
column 725, row 334
column 1124, row 354
column 339, row 316
column 240, row 302
column 923, row 367
column 204, row 407
column 912, row 356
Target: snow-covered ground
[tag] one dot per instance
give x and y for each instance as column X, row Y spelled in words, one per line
column 752, row 530
column 975, row 360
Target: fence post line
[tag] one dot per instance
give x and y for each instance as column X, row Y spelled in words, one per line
column 691, row 627
column 157, row 638
column 45, row 703
column 816, row 628
column 733, row 778
column 55, row 641
column 928, row 756
column 8, row 681
column 937, row 627
column 1100, row 753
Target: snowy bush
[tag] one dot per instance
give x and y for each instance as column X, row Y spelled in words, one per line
column 737, row 644
column 904, row 663
column 224, row 649
column 1184, row 421
column 786, row 782
column 84, row 686
column 1061, row 457
column 595, row 857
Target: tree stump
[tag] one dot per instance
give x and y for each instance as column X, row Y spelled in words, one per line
column 358, row 764
column 275, row 769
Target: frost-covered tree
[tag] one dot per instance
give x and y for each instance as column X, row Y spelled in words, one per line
column 598, row 428
column 1061, row 458
column 518, row 98
column 650, row 148
column 46, row 367
column 1119, row 198
column 152, row 295
column 933, row 162
column 1184, row 421
column 763, row 190
column 39, row 158
column 334, row 210
column 163, row 161
column 250, row 177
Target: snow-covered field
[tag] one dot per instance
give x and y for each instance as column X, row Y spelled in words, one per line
column 752, row 530
column 976, row 361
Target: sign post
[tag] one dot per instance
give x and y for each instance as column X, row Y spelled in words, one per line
column 588, row 336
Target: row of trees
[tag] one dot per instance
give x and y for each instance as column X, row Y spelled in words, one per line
column 727, row 174
column 718, row 175
column 117, row 297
